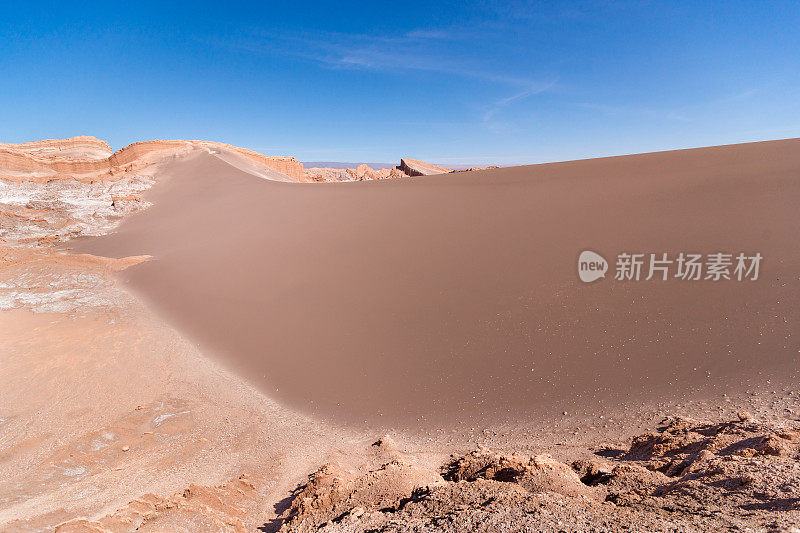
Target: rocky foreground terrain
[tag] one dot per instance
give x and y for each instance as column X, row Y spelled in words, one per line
column 112, row 422
column 687, row 475
column 740, row 475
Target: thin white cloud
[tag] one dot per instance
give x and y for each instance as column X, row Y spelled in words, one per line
column 434, row 33
column 502, row 103
column 736, row 97
column 419, row 50
column 684, row 114
column 416, row 50
column 641, row 111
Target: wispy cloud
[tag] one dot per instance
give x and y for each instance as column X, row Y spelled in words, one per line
column 663, row 114
column 683, row 114
column 417, row 50
column 445, row 34
column 736, row 97
column 434, row 50
column 502, row 103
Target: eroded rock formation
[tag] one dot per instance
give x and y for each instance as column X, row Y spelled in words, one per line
column 360, row 173
column 413, row 167
column 84, row 159
column 81, row 147
column 363, row 172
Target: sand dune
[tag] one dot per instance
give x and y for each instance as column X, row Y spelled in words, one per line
column 454, row 299
column 448, row 306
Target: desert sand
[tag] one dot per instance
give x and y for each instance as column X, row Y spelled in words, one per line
column 193, row 341
column 454, row 298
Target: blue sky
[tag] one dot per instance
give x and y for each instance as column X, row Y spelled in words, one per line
column 451, row 82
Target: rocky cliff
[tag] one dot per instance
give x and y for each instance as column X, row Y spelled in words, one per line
column 89, row 159
column 81, row 147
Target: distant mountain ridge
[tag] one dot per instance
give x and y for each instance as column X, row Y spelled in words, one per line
column 344, row 165
column 377, row 166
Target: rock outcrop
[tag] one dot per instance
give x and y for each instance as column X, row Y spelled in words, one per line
column 363, row 172
column 413, row 167
column 333, row 492
column 360, row 173
column 540, row 473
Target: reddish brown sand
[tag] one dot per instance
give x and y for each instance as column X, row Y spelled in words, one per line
column 455, row 298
